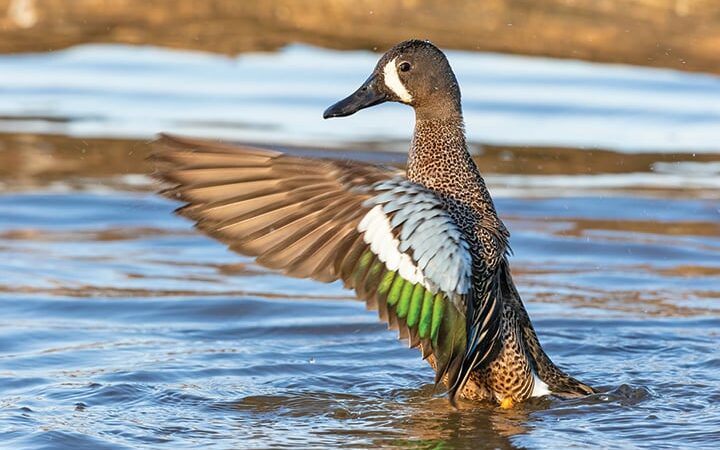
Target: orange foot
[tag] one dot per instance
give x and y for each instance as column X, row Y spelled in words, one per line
column 507, row 403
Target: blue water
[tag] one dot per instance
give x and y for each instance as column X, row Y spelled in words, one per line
column 114, row 90
column 121, row 328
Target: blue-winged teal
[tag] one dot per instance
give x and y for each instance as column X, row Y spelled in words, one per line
column 425, row 248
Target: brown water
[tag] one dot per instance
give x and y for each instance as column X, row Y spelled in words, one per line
column 120, row 327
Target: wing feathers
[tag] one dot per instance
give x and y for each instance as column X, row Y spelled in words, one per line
column 311, row 218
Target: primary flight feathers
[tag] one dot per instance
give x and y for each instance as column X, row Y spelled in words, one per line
column 386, row 237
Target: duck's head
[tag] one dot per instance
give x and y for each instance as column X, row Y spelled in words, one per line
column 413, row 72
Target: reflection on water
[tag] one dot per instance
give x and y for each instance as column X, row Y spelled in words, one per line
column 111, row 90
column 120, row 327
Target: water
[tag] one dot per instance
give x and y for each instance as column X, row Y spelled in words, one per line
column 120, row 327
column 99, row 90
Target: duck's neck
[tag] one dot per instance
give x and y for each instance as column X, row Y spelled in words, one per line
column 439, row 158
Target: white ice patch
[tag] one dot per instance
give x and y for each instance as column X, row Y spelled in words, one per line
column 392, row 81
column 377, row 232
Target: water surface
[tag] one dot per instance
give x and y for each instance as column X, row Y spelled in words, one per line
column 113, row 90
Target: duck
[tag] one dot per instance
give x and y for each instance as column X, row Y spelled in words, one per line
column 424, row 247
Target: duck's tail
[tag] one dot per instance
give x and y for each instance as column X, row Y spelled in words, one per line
column 558, row 382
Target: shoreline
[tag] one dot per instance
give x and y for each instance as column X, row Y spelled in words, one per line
column 674, row 34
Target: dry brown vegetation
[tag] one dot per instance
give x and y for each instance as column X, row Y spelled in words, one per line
column 683, row 34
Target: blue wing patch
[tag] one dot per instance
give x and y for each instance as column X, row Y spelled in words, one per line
column 426, row 232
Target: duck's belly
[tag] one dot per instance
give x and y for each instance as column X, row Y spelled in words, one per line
column 510, row 374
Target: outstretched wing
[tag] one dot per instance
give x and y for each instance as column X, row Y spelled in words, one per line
column 418, row 246
column 386, row 237
column 293, row 214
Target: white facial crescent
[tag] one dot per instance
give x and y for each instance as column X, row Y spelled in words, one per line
column 392, row 81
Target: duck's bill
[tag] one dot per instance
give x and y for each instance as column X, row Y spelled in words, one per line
column 366, row 96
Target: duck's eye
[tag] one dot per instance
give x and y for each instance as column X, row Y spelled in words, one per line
column 405, row 66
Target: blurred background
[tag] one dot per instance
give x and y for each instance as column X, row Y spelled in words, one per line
column 595, row 122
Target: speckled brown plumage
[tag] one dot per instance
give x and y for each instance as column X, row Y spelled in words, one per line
column 439, row 160
column 305, row 217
